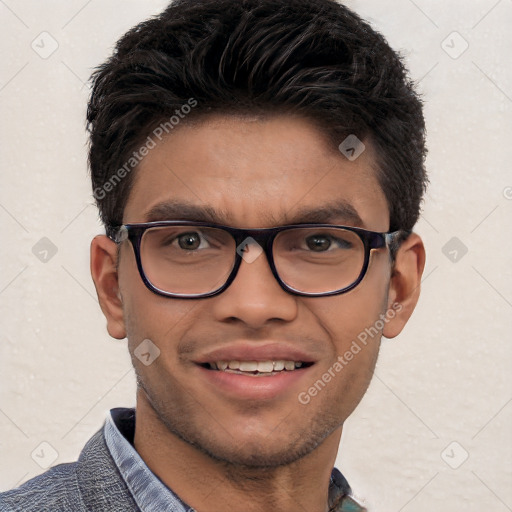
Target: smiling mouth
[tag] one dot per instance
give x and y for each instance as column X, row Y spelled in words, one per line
column 257, row 368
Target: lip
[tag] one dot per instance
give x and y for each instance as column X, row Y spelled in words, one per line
column 244, row 387
column 258, row 352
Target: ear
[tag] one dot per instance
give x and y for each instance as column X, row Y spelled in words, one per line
column 105, row 277
column 404, row 285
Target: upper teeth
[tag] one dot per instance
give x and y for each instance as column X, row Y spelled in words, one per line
column 252, row 366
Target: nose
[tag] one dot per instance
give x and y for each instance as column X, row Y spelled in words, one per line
column 254, row 297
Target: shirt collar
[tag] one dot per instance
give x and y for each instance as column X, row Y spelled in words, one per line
column 152, row 495
column 148, row 491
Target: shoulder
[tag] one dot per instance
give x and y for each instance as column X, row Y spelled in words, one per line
column 93, row 482
column 54, row 491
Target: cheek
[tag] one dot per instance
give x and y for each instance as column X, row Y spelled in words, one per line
column 148, row 315
column 349, row 321
column 354, row 317
column 345, row 320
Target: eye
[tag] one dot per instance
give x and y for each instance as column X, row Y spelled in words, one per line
column 318, row 242
column 190, row 241
column 322, row 243
column 185, row 239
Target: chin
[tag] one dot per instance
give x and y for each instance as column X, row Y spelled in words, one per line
column 258, row 456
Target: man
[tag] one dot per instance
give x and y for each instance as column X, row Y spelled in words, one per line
column 259, row 168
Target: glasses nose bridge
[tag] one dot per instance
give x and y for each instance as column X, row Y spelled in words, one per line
column 263, row 237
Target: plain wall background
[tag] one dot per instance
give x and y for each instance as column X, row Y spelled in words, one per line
column 446, row 379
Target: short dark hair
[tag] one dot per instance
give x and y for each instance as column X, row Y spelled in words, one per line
column 313, row 58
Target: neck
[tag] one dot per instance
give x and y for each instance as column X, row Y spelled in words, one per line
column 205, row 483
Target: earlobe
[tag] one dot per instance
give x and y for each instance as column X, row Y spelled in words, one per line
column 105, row 276
column 405, row 283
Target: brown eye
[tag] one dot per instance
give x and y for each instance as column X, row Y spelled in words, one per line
column 318, row 243
column 189, row 241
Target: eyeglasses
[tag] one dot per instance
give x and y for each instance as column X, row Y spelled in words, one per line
column 192, row 260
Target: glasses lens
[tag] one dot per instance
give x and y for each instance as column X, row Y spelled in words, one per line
column 318, row 260
column 187, row 260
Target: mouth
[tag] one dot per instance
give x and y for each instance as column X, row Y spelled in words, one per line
column 257, row 368
column 254, row 380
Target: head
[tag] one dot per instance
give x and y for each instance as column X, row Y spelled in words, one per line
column 234, row 112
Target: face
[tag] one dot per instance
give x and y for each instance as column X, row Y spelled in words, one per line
column 254, row 174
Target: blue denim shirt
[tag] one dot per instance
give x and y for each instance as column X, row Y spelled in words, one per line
column 152, row 495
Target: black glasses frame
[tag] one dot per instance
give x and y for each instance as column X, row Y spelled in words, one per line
column 264, row 237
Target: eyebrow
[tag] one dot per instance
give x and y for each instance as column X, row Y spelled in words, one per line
column 176, row 210
column 329, row 213
column 336, row 212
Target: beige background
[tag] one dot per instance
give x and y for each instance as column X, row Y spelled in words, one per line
column 446, row 379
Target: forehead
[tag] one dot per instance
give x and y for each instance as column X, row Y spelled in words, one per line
column 256, row 173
